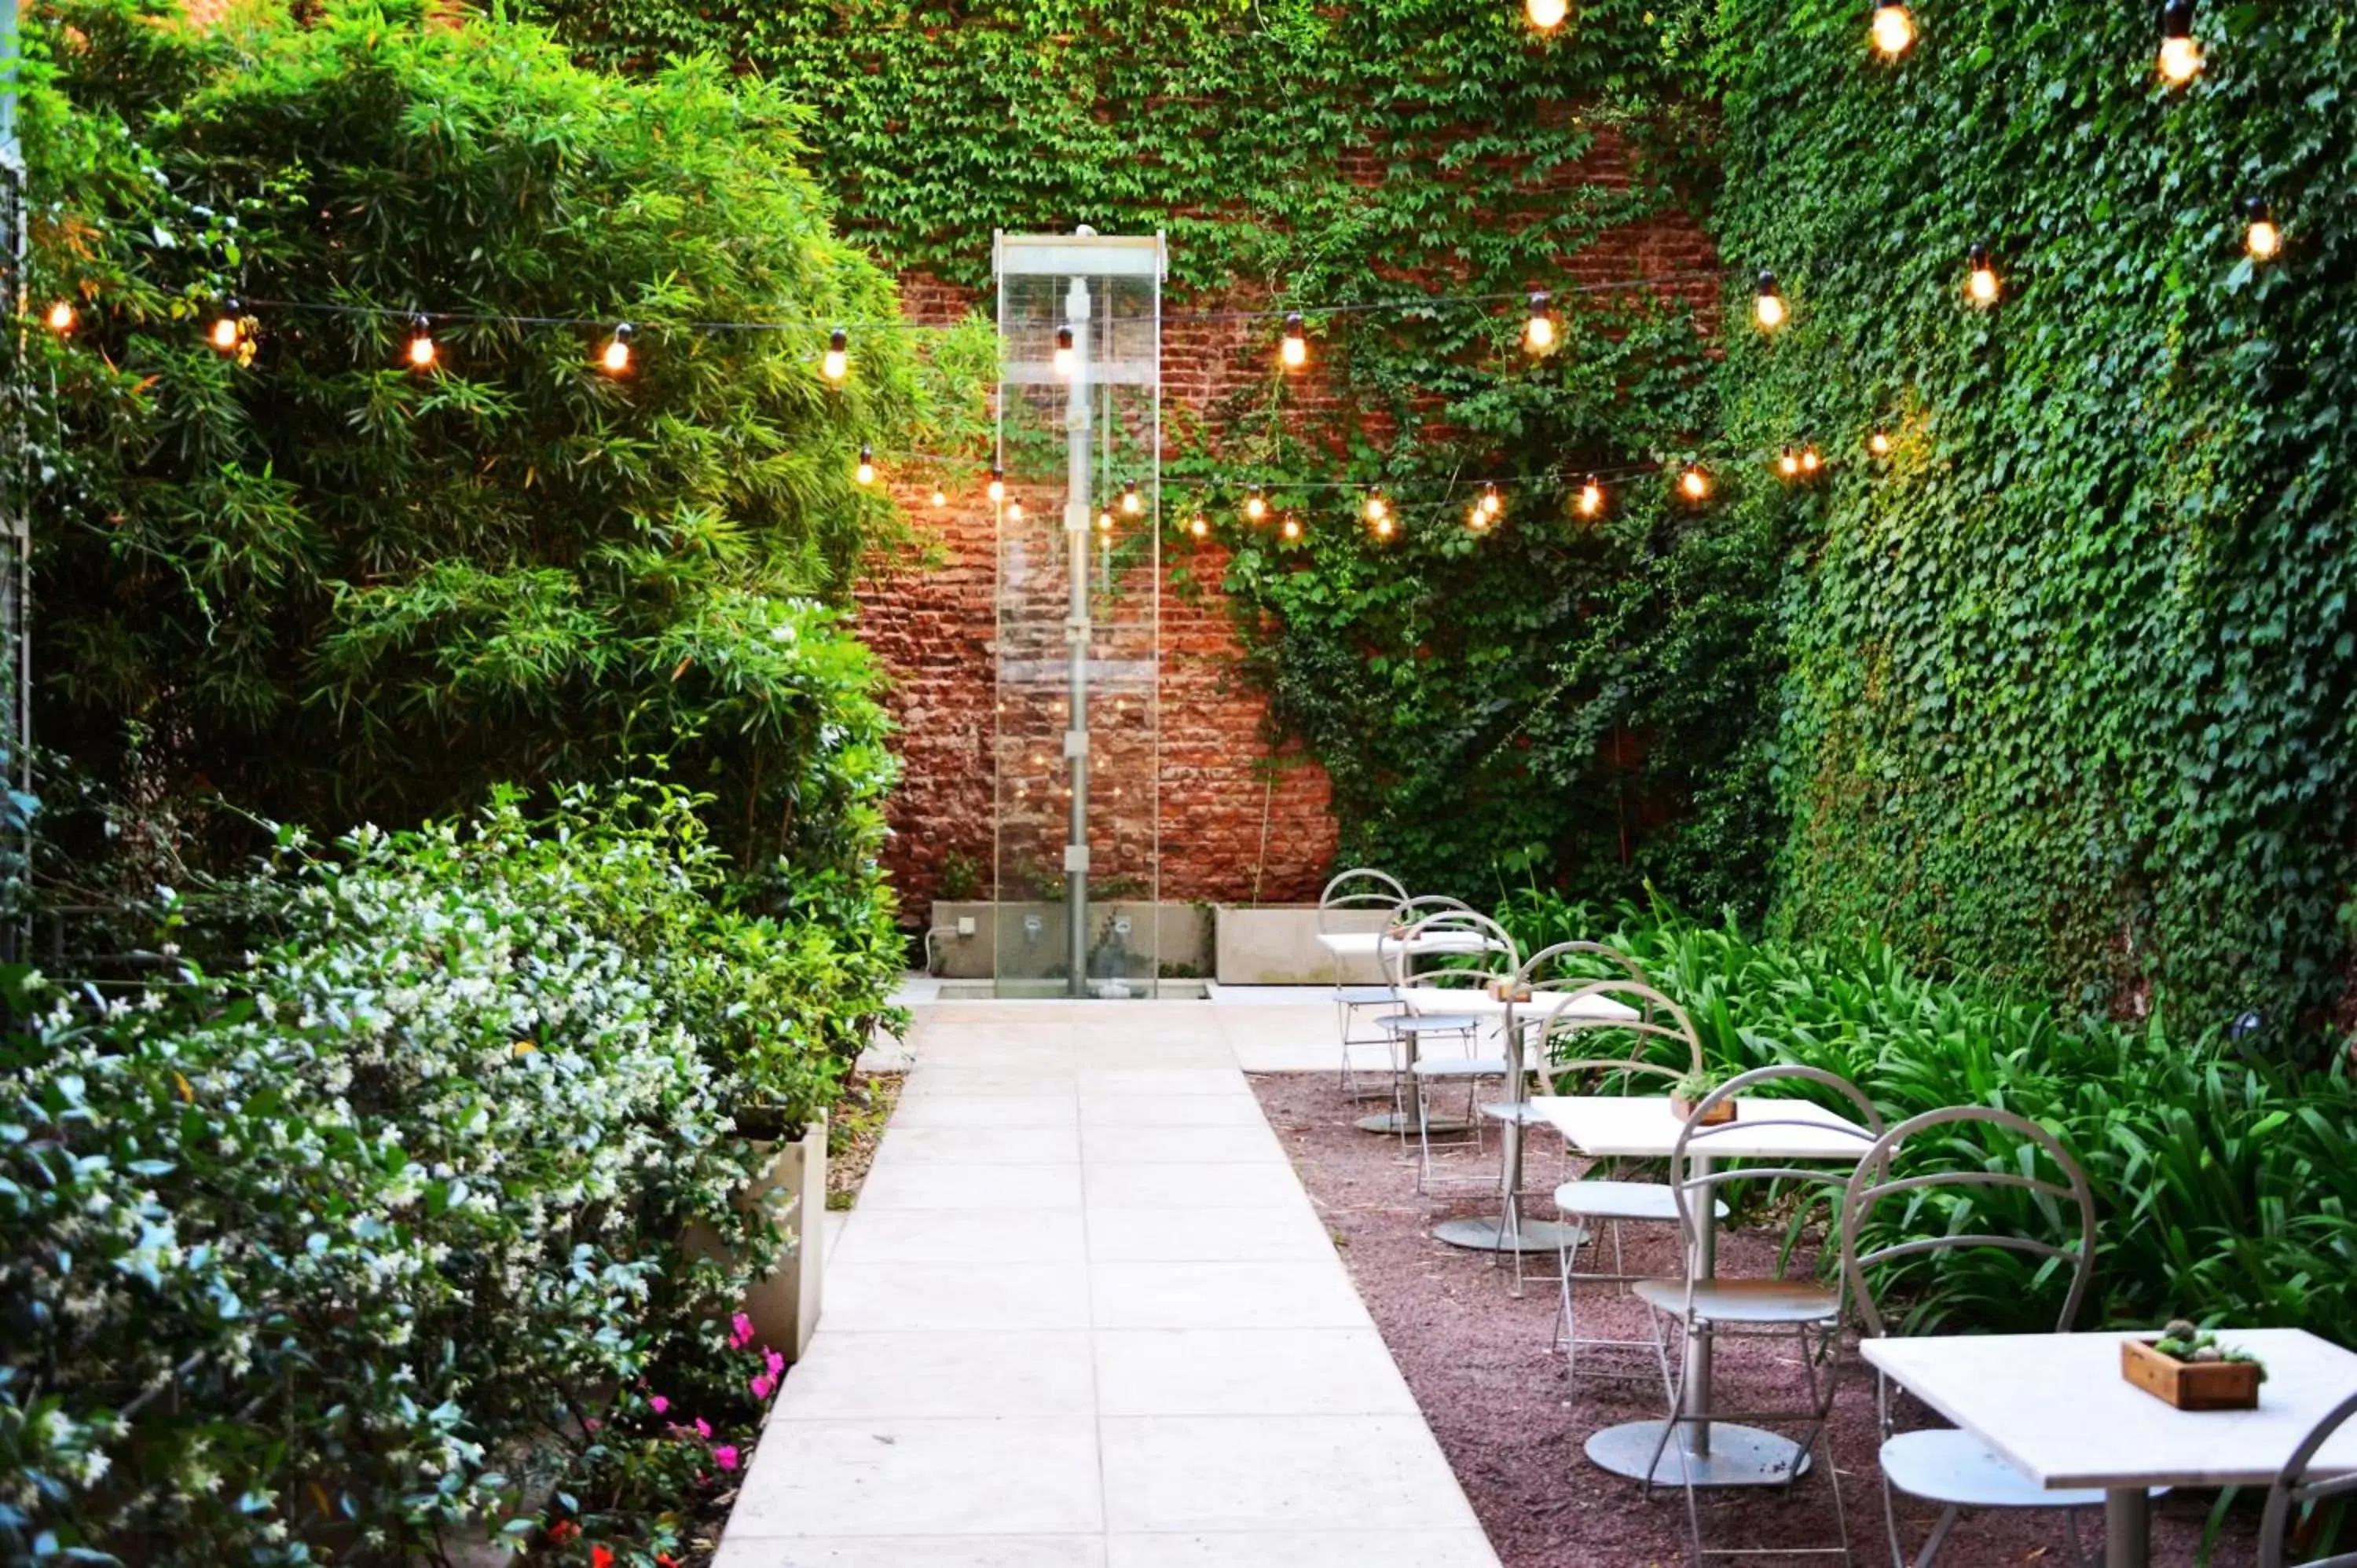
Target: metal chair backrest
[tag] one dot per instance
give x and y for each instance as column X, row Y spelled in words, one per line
column 1875, row 1181
column 1658, row 1019
column 1694, row 1179
column 1454, row 934
column 1360, row 888
column 2295, row 1488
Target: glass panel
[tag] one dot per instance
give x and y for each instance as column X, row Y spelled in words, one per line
column 1078, row 745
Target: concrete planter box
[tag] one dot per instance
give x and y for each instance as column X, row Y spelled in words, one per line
column 1277, row 945
column 1035, row 934
column 784, row 1305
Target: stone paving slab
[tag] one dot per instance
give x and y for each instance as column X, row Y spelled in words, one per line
column 1086, row 1316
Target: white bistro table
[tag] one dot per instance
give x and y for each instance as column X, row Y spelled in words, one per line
column 2055, row 1407
column 1642, row 1126
column 1371, row 945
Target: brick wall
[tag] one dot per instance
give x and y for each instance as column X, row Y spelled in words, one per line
column 1237, row 822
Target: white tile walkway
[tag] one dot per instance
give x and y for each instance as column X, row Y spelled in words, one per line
column 1085, row 1316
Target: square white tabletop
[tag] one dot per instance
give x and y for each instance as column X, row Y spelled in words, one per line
column 1366, row 944
column 1479, row 1004
column 2056, row 1408
column 1642, row 1126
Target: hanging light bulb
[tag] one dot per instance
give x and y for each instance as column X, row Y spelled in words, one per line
column 228, row 328
column 1199, row 526
column 1546, row 15
column 2180, row 53
column 1982, row 284
column 1292, row 528
column 1131, row 501
column 1255, row 504
column 1015, row 511
column 997, row 488
column 1067, row 359
column 617, row 357
column 59, row 317
column 1105, row 520
column 2263, row 239
column 1294, row 349
column 1768, row 309
column 836, row 362
column 1377, row 508
column 1538, row 332
column 1491, row 503
column 1694, row 483
column 1878, row 444
column 1477, row 520
column 1788, row 465
column 1810, row 461
column 421, row 343
column 866, row 473
column 941, row 498
column 1591, row 497
column 1384, row 527
column 1894, row 28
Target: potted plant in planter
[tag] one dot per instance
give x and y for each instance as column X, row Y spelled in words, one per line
column 1693, row 1089
column 2187, row 1368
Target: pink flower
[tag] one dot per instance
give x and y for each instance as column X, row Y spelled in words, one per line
column 659, row 1405
column 724, row 1457
column 704, row 1429
column 592, row 1423
column 740, row 1332
column 775, row 1362
column 762, row 1386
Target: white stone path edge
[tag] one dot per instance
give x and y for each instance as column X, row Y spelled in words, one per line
column 1086, row 1316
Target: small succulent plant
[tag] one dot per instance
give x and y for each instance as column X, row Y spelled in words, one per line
column 2188, row 1341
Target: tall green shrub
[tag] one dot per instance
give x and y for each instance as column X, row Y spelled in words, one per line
column 329, row 586
column 2072, row 672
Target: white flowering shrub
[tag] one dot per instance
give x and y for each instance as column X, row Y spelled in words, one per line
column 299, row 1253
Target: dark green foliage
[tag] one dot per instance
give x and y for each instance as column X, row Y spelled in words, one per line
column 330, row 587
column 2226, row 1190
column 1577, row 702
column 2072, row 680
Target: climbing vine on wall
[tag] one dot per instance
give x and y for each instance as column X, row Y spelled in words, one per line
column 2072, row 672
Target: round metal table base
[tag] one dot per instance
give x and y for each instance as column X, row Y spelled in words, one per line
column 1738, row 1457
column 1405, row 1125
column 1489, row 1235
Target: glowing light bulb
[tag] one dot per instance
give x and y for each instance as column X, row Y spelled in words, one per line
column 1591, row 497
column 1810, row 461
column 866, row 473
column 836, row 362
column 1294, row 349
column 1768, row 309
column 59, row 317
column 1546, row 15
column 1878, row 444
column 997, row 490
column 1199, row 526
column 1788, row 465
column 2180, row 53
column 2263, row 239
column 1131, row 501
column 1255, row 504
column 227, row 331
column 1015, row 511
column 1292, row 529
column 422, row 350
column 1104, row 522
column 1384, row 527
column 617, row 357
column 1695, row 484
column 1067, row 359
column 1476, row 518
column 1538, row 332
column 941, row 496
column 1377, row 508
column 1982, row 284
column 1491, row 503
column 1894, row 28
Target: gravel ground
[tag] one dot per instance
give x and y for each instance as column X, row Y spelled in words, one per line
column 1512, row 1426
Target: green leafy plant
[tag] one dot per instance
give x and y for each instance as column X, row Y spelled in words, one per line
column 2187, row 1342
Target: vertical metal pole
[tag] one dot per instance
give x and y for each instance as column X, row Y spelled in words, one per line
column 16, row 570
column 1079, row 489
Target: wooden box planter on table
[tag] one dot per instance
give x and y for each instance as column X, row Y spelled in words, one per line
column 1720, row 1114
column 2190, row 1385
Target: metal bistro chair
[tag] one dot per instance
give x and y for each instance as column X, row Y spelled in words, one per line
column 1596, row 1206
column 1473, row 945
column 1355, row 893
column 1942, row 1465
column 1393, row 940
column 1704, row 1306
column 2296, row 1488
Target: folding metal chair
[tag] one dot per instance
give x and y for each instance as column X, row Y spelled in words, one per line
column 2297, row 1492
column 1357, row 892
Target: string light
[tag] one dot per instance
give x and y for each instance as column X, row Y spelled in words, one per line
column 1878, row 444
column 1131, row 501
column 1476, row 518
column 1292, row 529
column 1788, row 465
column 60, row 318
column 1546, row 15
column 1255, row 504
column 1538, row 333
column 1015, row 511
column 617, row 357
column 1067, row 359
column 2180, row 54
column 228, row 328
column 1591, row 497
column 1768, row 309
column 2263, row 239
column 941, row 496
column 1105, row 521
column 1294, row 349
column 422, row 350
column 1491, row 503
column 1199, row 526
column 866, row 473
column 1694, row 483
column 1982, row 284
column 1893, row 29
column 1384, row 528
column 836, row 362
column 1810, row 460
column 1377, row 508
column 997, row 488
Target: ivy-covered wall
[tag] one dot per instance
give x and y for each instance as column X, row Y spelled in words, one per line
column 2071, row 681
